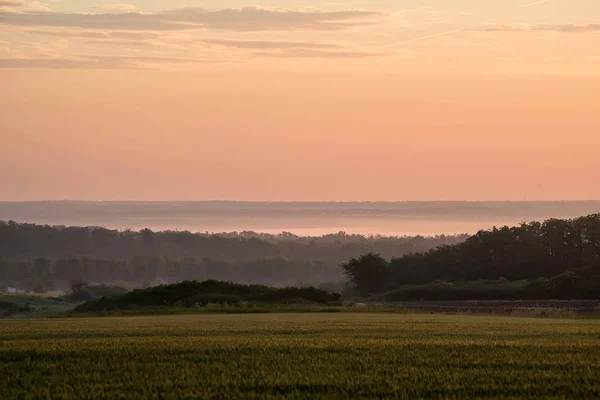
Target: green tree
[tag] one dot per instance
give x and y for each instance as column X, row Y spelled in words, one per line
column 370, row 273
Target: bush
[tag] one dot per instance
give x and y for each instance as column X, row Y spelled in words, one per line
column 81, row 295
column 106, row 291
column 566, row 286
column 205, row 298
column 193, row 294
column 7, row 305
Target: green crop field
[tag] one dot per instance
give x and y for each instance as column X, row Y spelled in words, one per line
column 284, row 356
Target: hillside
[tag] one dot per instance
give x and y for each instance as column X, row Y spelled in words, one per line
column 194, row 293
column 12, row 305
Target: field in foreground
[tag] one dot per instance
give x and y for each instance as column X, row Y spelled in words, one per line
column 277, row 356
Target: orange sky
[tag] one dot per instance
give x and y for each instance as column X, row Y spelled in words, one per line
column 394, row 101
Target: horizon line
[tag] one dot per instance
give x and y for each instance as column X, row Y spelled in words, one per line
column 297, row 201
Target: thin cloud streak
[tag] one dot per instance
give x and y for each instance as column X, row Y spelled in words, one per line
column 530, row 4
column 309, row 53
column 119, row 7
column 457, row 30
column 95, row 62
column 564, row 28
column 243, row 19
column 264, row 44
column 95, row 35
column 426, row 37
column 10, row 3
column 121, row 43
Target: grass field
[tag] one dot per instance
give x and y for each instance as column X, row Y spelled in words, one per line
column 299, row 356
column 37, row 305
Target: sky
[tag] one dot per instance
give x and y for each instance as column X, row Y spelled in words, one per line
column 287, row 100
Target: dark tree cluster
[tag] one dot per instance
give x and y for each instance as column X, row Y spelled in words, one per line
column 543, row 254
column 19, row 240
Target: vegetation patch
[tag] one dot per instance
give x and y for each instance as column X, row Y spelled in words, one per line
column 556, row 259
column 17, row 305
column 196, row 294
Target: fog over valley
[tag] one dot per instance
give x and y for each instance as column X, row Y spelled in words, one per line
column 299, row 218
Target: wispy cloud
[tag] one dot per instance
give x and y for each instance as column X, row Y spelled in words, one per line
column 418, row 39
column 95, row 34
column 11, row 3
column 17, row 6
column 314, row 53
column 265, row 44
column 530, row 4
column 95, row 62
column 236, row 19
column 565, row 28
column 569, row 28
column 119, row 7
column 122, row 43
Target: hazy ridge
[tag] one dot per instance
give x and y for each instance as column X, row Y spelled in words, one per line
column 302, row 218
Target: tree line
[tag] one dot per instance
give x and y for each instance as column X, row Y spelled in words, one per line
column 554, row 252
column 51, row 257
column 22, row 240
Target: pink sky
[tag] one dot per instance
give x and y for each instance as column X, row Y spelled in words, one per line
column 391, row 102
